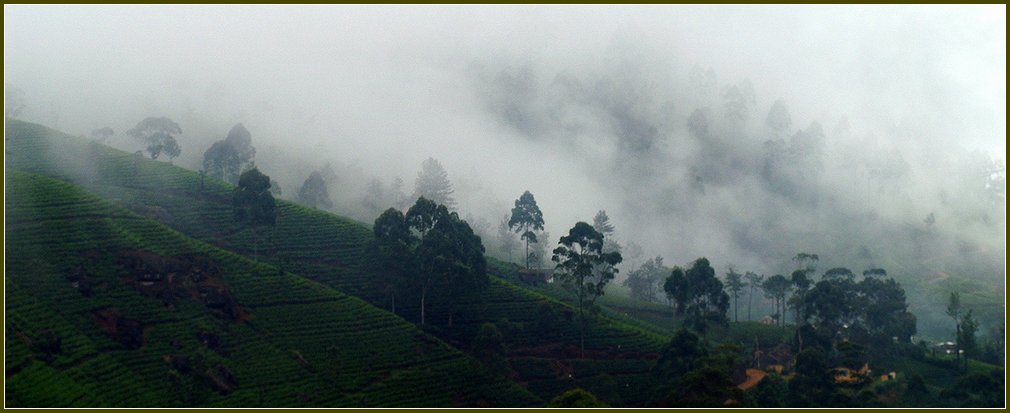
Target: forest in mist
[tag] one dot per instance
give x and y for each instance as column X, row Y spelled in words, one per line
column 743, row 135
column 868, row 137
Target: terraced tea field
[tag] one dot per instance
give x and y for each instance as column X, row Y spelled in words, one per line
column 85, row 330
column 325, row 249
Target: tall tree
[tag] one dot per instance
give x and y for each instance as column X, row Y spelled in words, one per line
column 227, row 159
column 601, row 223
column 253, row 204
column 754, row 281
column 734, row 284
column 577, row 254
column 526, row 217
column 158, row 134
column 422, row 215
column 449, row 255
column 313, row 192
column 433, row 183
column 801, row 285
column 389, row 253
column 776, row 287
column 699, row 295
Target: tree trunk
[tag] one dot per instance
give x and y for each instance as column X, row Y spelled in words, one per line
column 527, row 253
column 450, row 318
column 393, row 296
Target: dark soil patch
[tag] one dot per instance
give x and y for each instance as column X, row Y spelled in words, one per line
column 128, row 332
column 174, row 278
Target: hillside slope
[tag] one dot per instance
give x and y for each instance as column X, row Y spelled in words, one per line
column 326, row 248
column 108, row 308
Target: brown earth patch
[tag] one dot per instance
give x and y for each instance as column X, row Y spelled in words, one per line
column 127, row 332
column 174, row 278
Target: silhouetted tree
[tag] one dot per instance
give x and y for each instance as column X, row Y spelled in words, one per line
column 699, row 295
column 776, row 287
column 389, row 253
column 253, row 204
column 313, row 192
column 577, row 255
column 526, row 217
column 228, row 158
column 801, row 286
column 449, row 254
column 734, row 284
column 433, row 183
column 157, row 133
column 754, row 281
column 602, row 224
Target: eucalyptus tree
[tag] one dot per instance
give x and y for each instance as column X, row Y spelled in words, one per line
column 526, row 217
column 577, row 255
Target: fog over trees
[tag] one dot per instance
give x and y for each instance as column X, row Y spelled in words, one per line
column 740, row 134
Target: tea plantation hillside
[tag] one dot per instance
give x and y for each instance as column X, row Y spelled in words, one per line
column 105, row 307
column 539, row 331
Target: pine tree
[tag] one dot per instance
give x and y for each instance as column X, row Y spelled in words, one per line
column 433, row 183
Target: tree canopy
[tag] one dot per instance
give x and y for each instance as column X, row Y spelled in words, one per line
column 526, row 217
column 228, row 158
column 158, row 134
column 433, row 183
column 253, row 203
column 577, row 256
column 314, row 193
column 699, row 295
column 449, row 254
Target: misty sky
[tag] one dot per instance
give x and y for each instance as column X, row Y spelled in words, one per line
column 586, row 106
